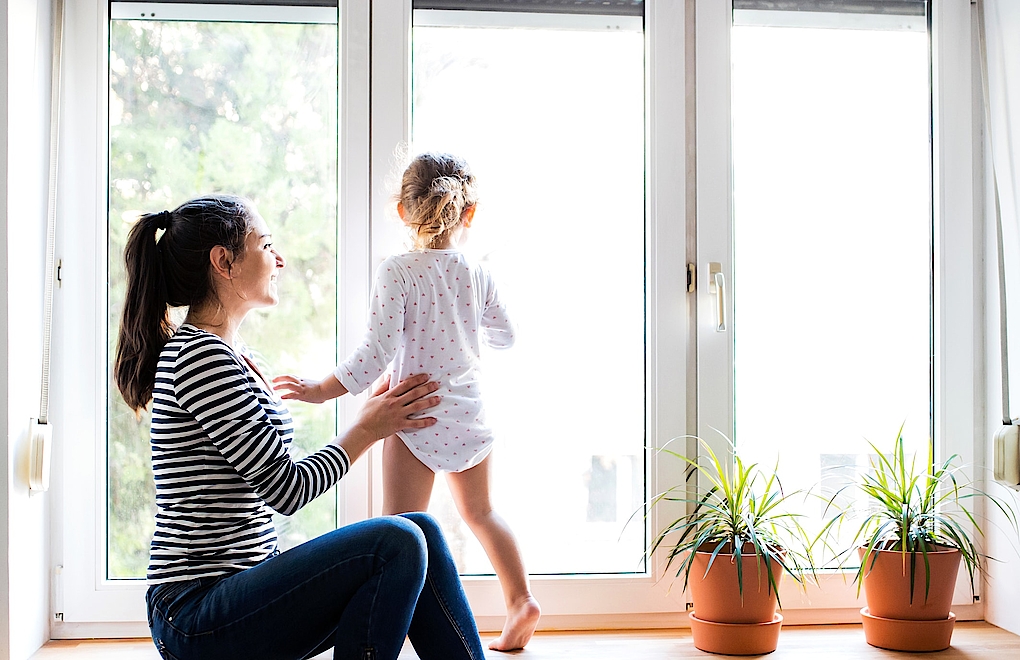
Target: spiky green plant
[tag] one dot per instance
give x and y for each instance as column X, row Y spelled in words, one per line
column 913, row 509
column 740, row 510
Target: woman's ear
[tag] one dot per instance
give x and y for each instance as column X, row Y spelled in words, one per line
column 400, row 210
column 468, row 215
column 222, row 260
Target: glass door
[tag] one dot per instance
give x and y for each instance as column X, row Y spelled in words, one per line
column 561, row 224
column 816, row 328
column 188, row 100
column 832, row 245
column 550, row 109
column 190, row 114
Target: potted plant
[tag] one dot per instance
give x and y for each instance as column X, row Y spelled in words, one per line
column 913, row 532
column 732, row 549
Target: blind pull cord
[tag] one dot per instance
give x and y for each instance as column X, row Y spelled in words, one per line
column 1006, row 441
column 40, row 429
column 1000, row 251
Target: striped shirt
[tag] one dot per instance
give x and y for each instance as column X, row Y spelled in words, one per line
column 221, row 459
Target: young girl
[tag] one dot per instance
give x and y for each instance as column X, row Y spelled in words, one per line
column 431, row 309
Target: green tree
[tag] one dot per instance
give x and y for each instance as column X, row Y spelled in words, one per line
column 248, row 109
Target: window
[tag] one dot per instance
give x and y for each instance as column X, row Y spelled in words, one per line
column 653, row 97
column 819, row 161
column 242, row 107
column 509, row 70
column 832, row 239
column 610, row 480
column 561, row 223
column 189, row 99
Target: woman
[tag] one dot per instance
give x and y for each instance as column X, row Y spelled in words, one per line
column 219, row 587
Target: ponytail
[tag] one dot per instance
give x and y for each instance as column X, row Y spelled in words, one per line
column 172, row 271
column 145, row 325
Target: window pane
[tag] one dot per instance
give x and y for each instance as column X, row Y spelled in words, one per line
column 250, row 109
column 832, row 248
column 552, row 122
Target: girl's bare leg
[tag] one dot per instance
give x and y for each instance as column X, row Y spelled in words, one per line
column 470, row 490
column 407, row 482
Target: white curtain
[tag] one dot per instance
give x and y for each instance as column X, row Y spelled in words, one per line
column 1002, row 44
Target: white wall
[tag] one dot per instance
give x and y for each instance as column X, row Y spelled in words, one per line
column 1002, row 602
column 1001, row 596
column 25, row 534
column 5, row 573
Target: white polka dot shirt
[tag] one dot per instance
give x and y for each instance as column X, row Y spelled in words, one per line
column 430, row 312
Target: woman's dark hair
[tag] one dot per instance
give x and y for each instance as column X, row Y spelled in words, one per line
column 171, row 271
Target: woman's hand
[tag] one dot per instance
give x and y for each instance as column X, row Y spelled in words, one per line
column 390, row 410
column 306, row 389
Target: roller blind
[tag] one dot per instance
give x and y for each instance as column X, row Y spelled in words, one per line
column 884, row 7
column 275, row 3
column 596, row 7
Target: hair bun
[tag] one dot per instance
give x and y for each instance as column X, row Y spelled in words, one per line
column 435, row 189
column 446, row 185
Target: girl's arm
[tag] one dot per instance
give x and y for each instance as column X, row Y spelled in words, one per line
column 498, row 330
column 370, row 359
column 306, row 389
column 385, row 330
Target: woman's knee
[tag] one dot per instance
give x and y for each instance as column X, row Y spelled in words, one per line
column 424, row 522
column 401, row 535
column 434, row 537
column 388, row 538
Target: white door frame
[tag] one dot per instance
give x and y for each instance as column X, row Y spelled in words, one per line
column 577, row 602
column 86, row 603
column 957, row 425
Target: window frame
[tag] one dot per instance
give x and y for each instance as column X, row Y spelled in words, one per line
column 955, row 392
column 253, row 13
column 580, row 602
column 85, row 602
column 91, row 606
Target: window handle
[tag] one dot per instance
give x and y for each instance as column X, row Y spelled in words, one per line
column 717, row 286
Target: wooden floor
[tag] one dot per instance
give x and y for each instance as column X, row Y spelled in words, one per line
column 971, row 641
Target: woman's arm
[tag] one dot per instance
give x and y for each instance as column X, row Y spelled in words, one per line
column 211, row 384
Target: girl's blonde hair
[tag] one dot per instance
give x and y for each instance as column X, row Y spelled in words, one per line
column 435, row 190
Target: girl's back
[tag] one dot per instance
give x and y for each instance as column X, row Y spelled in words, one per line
column 431, row 311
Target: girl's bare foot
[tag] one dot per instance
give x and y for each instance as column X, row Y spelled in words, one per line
column 521, row 621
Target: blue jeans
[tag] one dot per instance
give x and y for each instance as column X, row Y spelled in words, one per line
column 360, row 589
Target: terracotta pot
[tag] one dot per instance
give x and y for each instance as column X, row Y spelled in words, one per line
column 904, row 635
column 717, row 597
column 736, row 638
column 887, row 584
